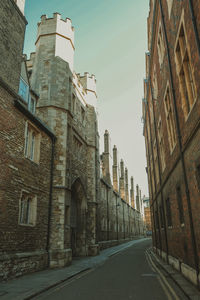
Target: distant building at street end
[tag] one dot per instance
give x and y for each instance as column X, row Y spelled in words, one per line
column 147, row 213
column 171, row 115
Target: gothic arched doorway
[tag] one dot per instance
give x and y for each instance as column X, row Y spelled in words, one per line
column 78, row 219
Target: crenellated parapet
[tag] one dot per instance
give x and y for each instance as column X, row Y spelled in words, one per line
column 89, row 84
column 57, row 35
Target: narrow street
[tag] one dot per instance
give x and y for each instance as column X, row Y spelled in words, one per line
column 126, row 275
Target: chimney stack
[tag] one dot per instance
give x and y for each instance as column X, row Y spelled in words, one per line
column 121, row 180
column 106, row 163
column 132, row 193
column 115, row 171
column 126, row 186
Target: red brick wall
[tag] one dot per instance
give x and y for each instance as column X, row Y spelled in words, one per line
column 19, row 173
column 178, row 237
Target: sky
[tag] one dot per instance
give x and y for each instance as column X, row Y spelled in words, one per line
column 110, row 42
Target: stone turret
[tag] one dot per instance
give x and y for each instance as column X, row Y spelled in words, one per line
column 21, row 4
column 106, row 161
column 115, row 170
column 55, row 38
column 132, row 193
column 121, row 180
column 126, row 186
column 89, row 84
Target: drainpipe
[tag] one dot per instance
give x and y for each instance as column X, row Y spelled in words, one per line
column 194, row 245
column 50, row 199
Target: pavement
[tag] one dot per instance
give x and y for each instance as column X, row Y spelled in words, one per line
column 31, row 285
column 188, row 289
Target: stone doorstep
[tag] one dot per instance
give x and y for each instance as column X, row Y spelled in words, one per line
column 184, row 284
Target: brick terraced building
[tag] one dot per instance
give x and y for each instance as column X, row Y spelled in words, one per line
column 25, row 157
column 171, row 112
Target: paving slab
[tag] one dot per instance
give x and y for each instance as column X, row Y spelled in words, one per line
column 186, row 286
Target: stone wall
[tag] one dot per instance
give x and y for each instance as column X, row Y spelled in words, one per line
column 117, row 220
column 12, row 29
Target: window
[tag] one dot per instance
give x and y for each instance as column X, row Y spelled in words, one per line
column 180, row 205
column 32, row 143
column 169, row 4
column 82, row 114
column 168, row 212
column 156, row 161
column 198, row 176
column 155, row 84
column 161, row 218
column 152, row 175
column 161, row 145
column 23, row 90
column 170, row 120
column 73, row 103
column 31, row 105
column 27, row 209
column 160, row 45
column 156, row 219
column 185, row 73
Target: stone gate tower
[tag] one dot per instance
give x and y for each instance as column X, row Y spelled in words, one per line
column 67, row 105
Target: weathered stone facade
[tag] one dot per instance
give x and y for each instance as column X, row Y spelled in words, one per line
column 118, row 219
column 64, row 105
column 171, row 111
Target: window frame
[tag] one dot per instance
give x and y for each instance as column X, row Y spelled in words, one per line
column 27, row 211
column 183, row 61
column 169, row 118
column 32, row 143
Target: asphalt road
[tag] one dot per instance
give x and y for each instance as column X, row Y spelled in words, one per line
column 126, row 275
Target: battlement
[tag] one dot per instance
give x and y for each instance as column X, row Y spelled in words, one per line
column 58, row 34
column 56, row 17
column 56, row 25
column 88, row 82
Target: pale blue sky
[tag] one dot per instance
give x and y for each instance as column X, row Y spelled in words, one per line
column 110, row 42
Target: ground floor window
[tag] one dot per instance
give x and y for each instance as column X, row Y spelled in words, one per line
column 27, row 209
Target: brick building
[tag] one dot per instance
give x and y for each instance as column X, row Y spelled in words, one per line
column 25, row 157
column 52, row 199
column 171, row 112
